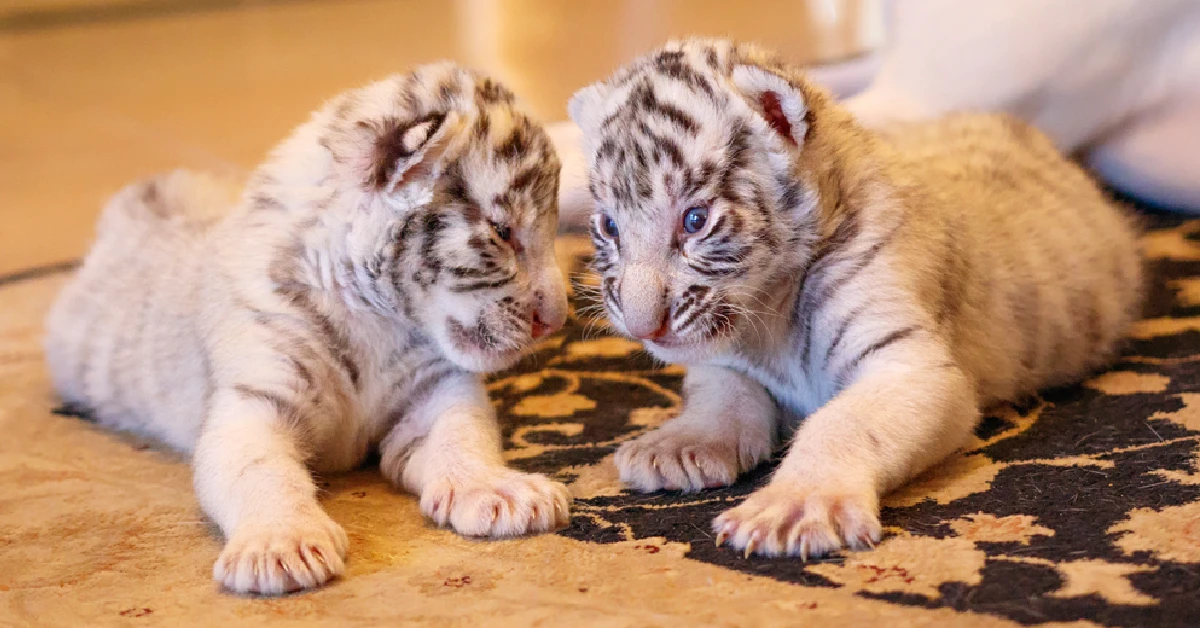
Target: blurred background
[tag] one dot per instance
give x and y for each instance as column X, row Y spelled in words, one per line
column 96, row 93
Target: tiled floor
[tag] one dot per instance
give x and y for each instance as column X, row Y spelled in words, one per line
column 95, row 93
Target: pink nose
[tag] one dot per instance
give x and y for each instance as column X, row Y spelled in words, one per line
column 663, row 330
column 541, row 328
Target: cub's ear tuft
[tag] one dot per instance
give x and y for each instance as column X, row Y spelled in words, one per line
column 391, row 152
column 780, row 102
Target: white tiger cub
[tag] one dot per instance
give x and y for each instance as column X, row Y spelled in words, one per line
column 884, row 287
column 396, row 245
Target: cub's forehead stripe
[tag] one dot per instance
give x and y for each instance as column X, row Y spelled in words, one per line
column 655, row 107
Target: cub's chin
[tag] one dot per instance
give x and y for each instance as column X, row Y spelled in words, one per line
column 479, row 349
column 483, row 361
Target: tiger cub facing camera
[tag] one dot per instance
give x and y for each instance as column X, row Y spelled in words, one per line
column 884, row 285
column 394, row 247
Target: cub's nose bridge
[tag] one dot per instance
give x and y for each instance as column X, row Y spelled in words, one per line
column 643, row 300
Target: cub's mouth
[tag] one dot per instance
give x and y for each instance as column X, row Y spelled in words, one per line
column 718, row 325
column 699, row 342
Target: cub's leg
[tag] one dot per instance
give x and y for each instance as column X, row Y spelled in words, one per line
column 727, row 427
column 447, row 449
column 908, row 407
column 252, row 480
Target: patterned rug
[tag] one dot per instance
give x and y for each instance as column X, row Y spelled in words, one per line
column 1081, row 507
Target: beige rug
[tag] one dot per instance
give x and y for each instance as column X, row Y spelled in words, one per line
column 1082, row 508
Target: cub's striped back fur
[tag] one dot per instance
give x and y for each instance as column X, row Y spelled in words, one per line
column 396, row 245
column 884, row 285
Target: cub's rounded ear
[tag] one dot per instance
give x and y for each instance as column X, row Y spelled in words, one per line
column 586, row 109
column 779, row 101
column 391, row 152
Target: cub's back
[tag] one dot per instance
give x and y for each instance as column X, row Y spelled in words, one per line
column 1036, row 254
column 122, row 338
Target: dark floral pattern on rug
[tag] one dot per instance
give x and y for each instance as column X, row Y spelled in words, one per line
column 1083, row 503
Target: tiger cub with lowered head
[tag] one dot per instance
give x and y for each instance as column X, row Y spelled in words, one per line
column 883, row 287
column 398, row 244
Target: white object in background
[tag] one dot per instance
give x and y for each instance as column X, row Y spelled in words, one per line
column 1118, row 80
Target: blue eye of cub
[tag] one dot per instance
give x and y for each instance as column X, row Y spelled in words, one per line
column 610, row 227
column 503, row 231
column 694, row 219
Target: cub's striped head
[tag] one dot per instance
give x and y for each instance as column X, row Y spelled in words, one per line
column 703, row 203
column 445, row 194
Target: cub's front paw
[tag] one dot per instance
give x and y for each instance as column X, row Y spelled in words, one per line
column 800, row 520
column 282, row 556
column 685, row 459
column 497, row 503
